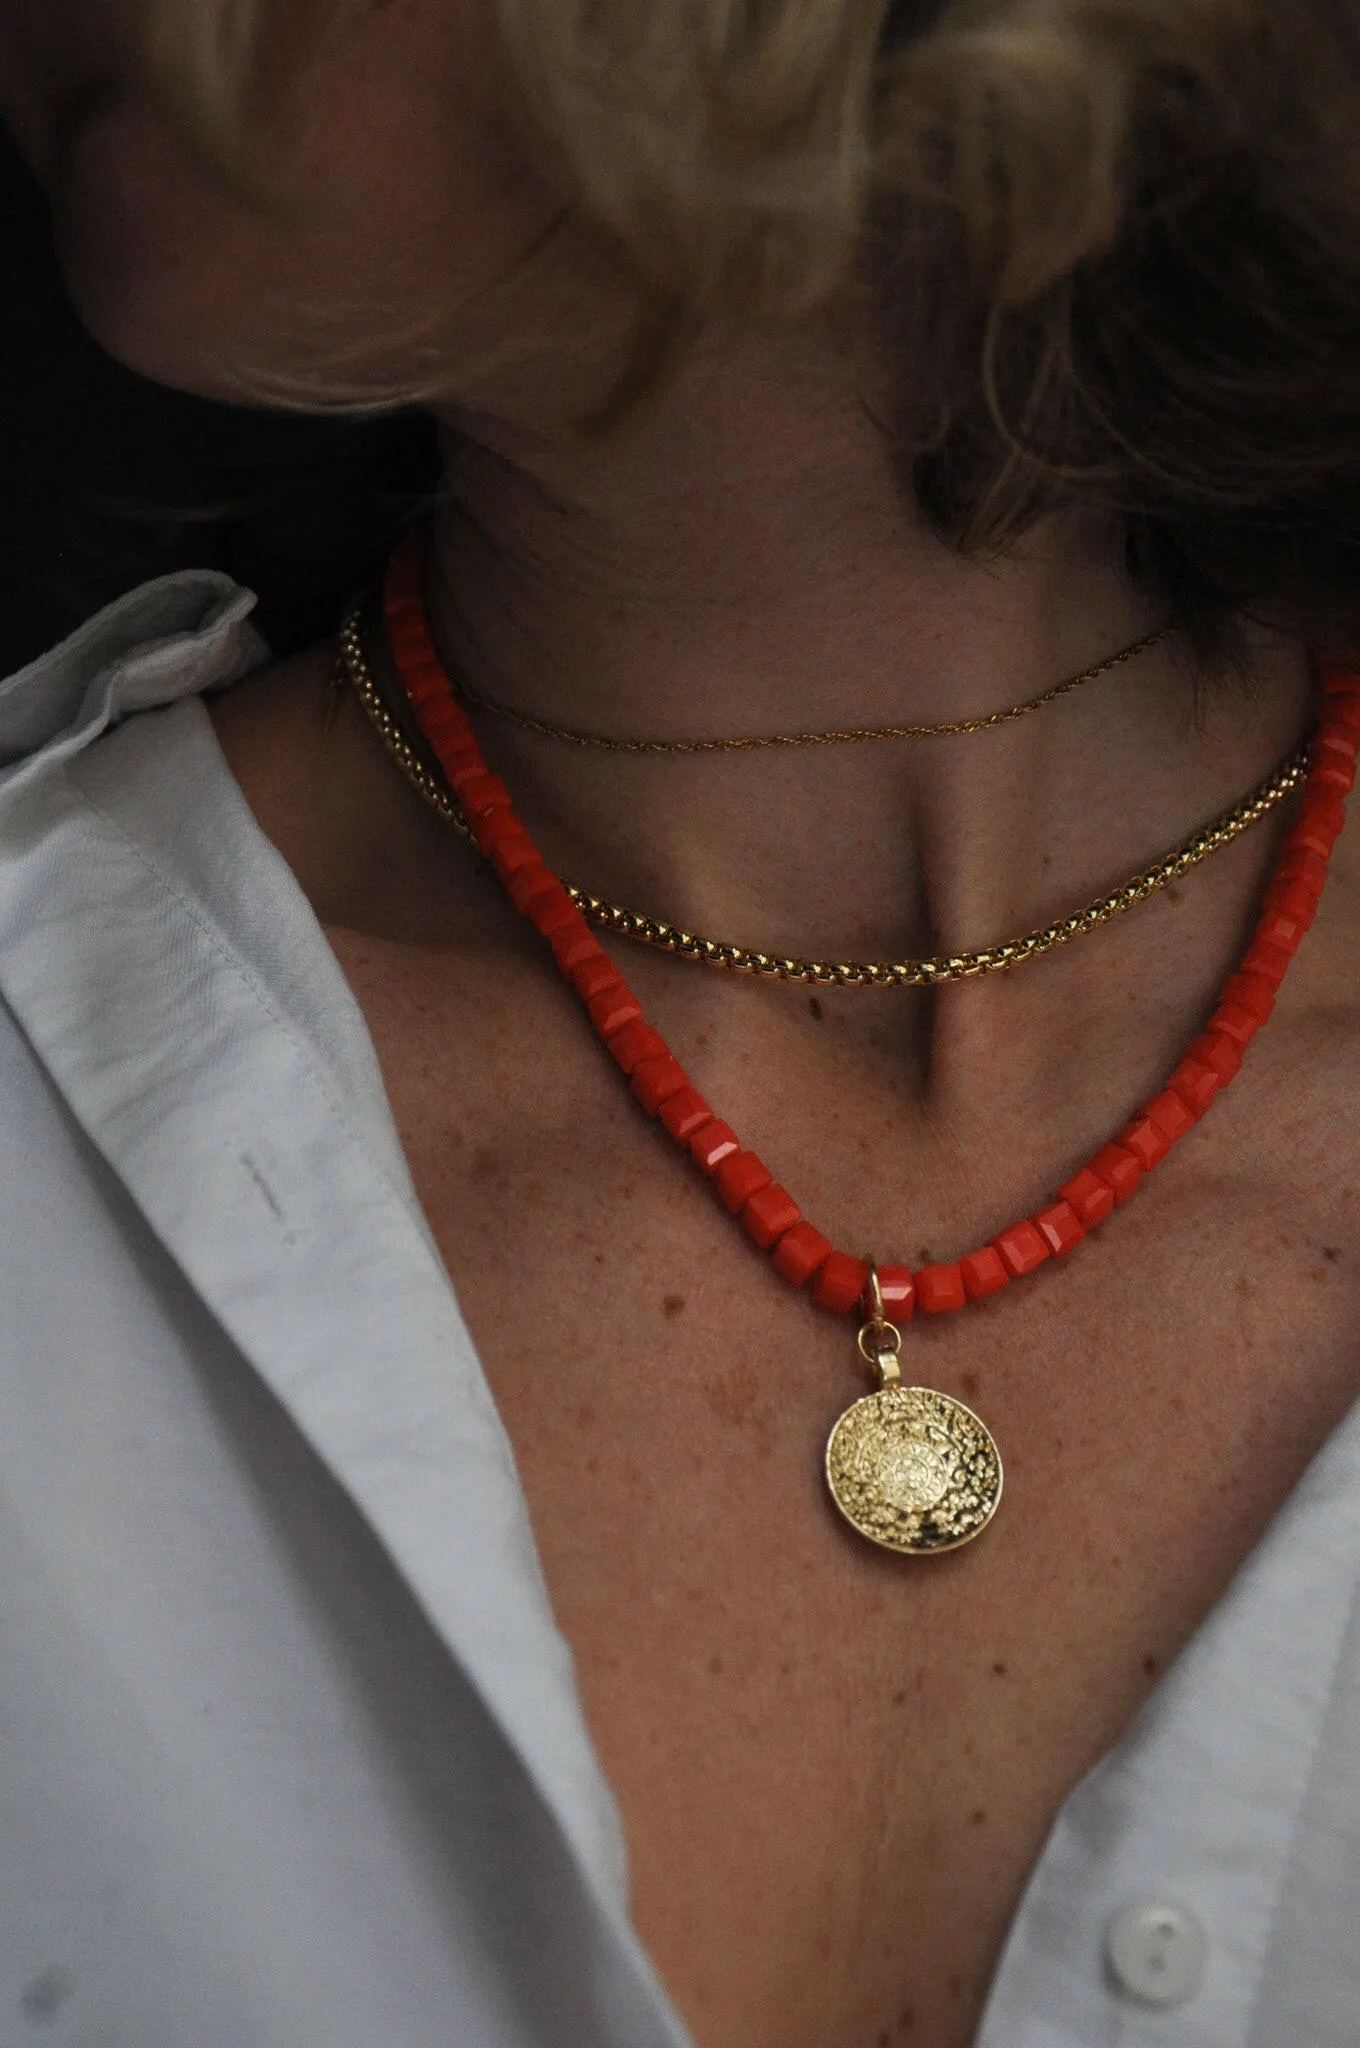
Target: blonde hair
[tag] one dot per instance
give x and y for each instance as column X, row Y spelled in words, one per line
column 1116, row 242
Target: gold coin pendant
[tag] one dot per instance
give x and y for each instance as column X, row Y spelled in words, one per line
column 913, row 1470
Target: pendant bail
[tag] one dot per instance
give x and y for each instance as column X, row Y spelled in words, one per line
column 879, row 1340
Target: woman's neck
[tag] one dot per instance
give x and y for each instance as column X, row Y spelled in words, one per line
column 743, row 560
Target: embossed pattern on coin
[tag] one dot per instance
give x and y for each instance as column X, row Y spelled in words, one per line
column 913, row 1470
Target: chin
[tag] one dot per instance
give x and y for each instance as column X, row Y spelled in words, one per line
column 150, row 257
column 126, row 329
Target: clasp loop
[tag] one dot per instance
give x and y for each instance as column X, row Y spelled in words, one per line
column 879, row 1340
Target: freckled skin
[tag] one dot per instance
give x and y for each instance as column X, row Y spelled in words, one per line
column 973, row 1707
column 732, row 1395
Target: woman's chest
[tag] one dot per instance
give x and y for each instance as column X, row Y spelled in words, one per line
column 837, row 1767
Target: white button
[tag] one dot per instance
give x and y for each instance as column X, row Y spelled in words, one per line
column 1157, row 1952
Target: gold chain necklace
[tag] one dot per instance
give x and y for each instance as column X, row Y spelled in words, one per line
column 833, row 737
column 353, row 666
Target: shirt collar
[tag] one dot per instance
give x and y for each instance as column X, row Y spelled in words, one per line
column 169, row 639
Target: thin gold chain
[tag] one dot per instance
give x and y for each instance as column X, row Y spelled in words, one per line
column 834, row 737
column 928, row 973
column 353, row 667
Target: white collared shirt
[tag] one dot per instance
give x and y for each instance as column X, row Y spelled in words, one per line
column 291, row 1754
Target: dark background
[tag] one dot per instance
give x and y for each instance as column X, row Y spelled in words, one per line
column 106, row 479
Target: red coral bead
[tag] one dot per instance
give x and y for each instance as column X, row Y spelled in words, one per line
column 799, row 1253
column 1343, row 716
column 939, row 1289
column 443, row 726
column 1221, row 1051
column 740, row 1176
column 490, row 830
column 1296, row 899
column 840, row 1282
column 595, row 976
column 1313, row 835
column 1322, row 808
column 1170, row 1115
column 428, row 687
column 1217, row 1051
column 982, row 1272
column 634, row 1042
column 770, row 1214
column 524, row 883
column 1196, row 1084
column 480, row 792
column 1278, row 928
column 458, row 753
column 1253, row 992
column 1059, row 1226
column 464, row 768
column 496, row 826
column 1231, row 1020
column 573, row 946
column 551, row 910
column 403, row 607
column 714, row 1143
column 1021, row 1248
column 685, row 1113
column 451, row 734
column 1298, row 865
column 612, row 1010
column 1337, row 677
column 1146, row 1140
column 1310, row 837
column 1330, row 776
column 1270, row 962
column 1089, row 1199
column 511, row 850
column 421, row 676
column 898, row 1288
column 1118, row 1169
column 656, row 1080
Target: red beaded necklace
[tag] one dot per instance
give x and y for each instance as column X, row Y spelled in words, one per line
column 910, row 1468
